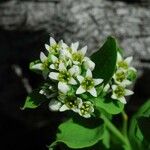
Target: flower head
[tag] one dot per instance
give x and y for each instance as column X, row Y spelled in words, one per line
column 86, row 109
column 123, row 64
column 87, row 84
column 120, row 77
column 119, row 93
column 65, row 78
column 70, row 75
column 71, row 103
column 54, row 47
column 43, row 65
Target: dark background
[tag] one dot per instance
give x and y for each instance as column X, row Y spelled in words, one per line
column 25, row 27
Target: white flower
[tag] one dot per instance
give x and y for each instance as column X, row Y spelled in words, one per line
column 86, row 109
column 88, row 84
column 54, row 47
column 120, row 77
column 71, row 103
column 77, row 56
column 64, row 77
column 119, row 93
column 43, row 64
column 123, row 64
column 54, row 105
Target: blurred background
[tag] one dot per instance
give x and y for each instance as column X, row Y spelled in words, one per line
column 25, row 26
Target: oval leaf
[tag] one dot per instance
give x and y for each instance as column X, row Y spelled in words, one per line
column 77, row 135
column 105, row 60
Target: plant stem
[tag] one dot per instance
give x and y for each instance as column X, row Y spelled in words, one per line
column 125, row 127
column 125, row 123
column 116, row 132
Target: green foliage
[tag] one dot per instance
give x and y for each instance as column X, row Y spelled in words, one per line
column 139, row 127
column 111, row 106
column 106, row 138
column 80, row 133
column 34, row 100
column 105, row 60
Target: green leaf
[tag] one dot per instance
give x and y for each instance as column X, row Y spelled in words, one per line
column 139, row 134
column 111, row 106
column 34, row 100
column 139, row 127
column 105, row 60
column 80, row 133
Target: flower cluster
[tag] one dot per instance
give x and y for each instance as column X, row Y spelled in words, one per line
column 122, row 78
column 68, row 74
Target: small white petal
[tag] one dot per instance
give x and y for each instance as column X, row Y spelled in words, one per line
column 93, row 92
column 86, row 116
column 80, row 78
column 62, row 67
column 97, row 81
column 52, row 41
column 74, row 46
column 114, row 96
column 80, row 90
column 63, row 87
column 122, row 100
column 89, row 73
column 72, row 81
column 114, row 87
column 126, row 82
column 63, row 108
column 54, row 105
column 88, row 63
column 52, row 66
column 64, row 45
column 76, row 62
column 75, row 70
column 79, row 101
column 60, row 42
column 119, row 57
column 54, row 75
column 83, row 50
column 54, row 58
column 106, row 88
column 65, row 53
column 128, row 92
column 128, row 60
column 37, row 66
column 47, row 47
column 43, row 57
